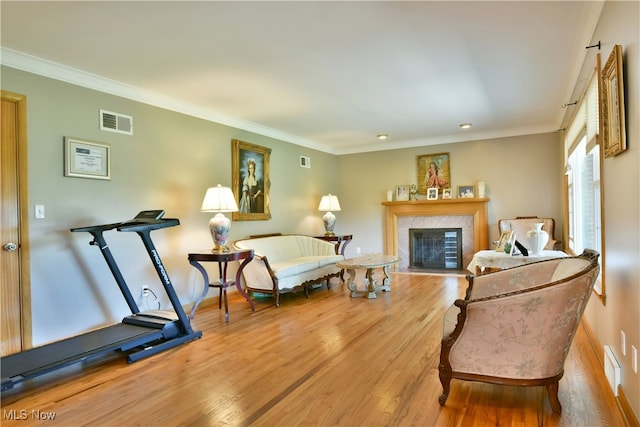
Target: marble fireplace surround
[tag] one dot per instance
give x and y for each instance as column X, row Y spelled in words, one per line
column 468, row 214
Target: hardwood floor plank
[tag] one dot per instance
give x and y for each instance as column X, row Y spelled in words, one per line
column 329, row 360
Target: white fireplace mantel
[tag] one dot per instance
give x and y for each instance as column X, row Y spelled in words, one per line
column 475, row 208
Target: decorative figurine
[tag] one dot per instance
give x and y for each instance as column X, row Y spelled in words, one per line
column 413, row 192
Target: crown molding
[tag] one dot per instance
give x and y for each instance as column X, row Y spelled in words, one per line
column 446, row 139
column 42, row 67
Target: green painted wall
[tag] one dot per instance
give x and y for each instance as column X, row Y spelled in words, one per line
column 167, row 164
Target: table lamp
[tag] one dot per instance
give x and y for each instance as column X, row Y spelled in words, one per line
column 328, row 204
column 219, row 199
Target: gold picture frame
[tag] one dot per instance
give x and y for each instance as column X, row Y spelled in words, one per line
column 434, row 171
column 612, row 104
column 250, row 180
column 504, row 242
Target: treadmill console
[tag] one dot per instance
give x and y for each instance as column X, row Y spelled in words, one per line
column 155, row 214
column 149, row 220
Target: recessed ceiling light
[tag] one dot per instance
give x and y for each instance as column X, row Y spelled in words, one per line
column 465, row 125
column 382, row 136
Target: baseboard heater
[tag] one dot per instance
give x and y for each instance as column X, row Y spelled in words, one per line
column 611, row 369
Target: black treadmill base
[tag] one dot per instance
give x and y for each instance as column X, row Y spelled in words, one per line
column 37, row 361
column 139, row 335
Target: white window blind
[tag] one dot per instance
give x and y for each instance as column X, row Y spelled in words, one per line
column 582, row 160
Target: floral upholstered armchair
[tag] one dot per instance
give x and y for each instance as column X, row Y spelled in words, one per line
column 515, row 326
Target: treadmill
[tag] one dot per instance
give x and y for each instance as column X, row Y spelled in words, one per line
column 139, row 335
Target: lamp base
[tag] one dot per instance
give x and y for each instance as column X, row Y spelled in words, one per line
column 329, row 220
column 220, row 227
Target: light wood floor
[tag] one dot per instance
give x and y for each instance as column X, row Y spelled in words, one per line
column 329, row 360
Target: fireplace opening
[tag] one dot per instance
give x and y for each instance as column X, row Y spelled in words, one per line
column 435, row 248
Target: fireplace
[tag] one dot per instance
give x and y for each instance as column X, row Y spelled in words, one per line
column 436, row 222
column 435, row 248
column 468, row 214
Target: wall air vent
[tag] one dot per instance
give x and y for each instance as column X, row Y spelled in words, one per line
column 116, row 122
column 305, row 162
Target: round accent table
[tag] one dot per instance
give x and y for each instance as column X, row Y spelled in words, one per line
column 223, row 259
column 370, row 263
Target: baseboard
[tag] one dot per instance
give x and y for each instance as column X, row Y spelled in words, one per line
column 626, row 409
column 595, row 343
column 623, row 403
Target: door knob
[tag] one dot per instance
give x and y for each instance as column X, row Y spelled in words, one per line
column 10, row 247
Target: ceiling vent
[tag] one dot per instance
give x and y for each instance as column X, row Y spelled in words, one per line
column 116, row 122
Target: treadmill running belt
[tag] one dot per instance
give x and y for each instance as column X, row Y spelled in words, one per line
column 67, row 351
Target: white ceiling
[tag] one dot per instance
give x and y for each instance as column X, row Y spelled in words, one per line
column 329, row 75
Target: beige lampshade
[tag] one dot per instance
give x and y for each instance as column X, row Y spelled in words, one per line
column 329, row 203
column 219, row 199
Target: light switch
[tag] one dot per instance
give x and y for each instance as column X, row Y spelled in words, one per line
column 39, row 210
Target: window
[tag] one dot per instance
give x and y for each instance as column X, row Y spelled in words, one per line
column 583, row 160
column 584, row 198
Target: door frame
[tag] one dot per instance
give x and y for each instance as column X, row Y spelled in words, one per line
column 23, row 216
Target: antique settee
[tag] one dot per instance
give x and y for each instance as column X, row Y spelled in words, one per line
column 283, row 263
column 515, row 326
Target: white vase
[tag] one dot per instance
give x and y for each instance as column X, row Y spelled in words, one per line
column 537, row 238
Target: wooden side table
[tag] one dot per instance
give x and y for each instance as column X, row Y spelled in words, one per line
column 338, row 241
column 222, row 258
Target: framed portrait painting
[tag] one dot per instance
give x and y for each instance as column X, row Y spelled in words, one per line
column 433, row 171
column 250, row 180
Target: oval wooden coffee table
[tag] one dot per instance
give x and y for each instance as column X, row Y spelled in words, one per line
column 370, row 262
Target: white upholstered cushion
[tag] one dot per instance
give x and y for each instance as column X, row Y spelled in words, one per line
column 294, row 259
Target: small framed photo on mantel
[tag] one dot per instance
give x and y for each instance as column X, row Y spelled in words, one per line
column 432, row 193
column 402, row 193
column 466, row 192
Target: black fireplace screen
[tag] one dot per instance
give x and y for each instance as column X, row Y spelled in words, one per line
column 435, row 248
